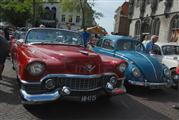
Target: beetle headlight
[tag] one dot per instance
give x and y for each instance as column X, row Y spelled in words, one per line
column 136, row 72
column 167, row 72
column 36, row 68
column 122, row 67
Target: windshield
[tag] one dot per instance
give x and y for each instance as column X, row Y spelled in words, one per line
column 170, row 50
column 53, row 36
column 130, row 45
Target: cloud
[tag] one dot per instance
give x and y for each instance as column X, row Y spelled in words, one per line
column 107, row 8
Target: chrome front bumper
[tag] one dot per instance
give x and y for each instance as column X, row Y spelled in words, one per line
column 150, row 84
column 29, row 98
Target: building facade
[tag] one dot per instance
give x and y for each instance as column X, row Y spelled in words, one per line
column 55, row 16
column 121, row 26
column 154, row 17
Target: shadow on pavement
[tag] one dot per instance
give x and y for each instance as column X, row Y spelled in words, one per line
column 9, row 91
column 119, row 107
column 160, row 95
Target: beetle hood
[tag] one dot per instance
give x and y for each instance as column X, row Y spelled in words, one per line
column 149, row 66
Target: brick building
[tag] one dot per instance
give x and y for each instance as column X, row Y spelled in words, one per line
column 121, row 26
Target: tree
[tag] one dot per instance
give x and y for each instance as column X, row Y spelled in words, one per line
column 82, row 6
column 17, row 12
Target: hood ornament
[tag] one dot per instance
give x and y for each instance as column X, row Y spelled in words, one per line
column 89, row 67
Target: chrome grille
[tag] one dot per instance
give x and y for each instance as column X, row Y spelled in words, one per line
column 83, row 84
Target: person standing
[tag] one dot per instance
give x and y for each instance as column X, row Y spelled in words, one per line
column 150, row 44
column 85, row 36
column 177, row 105
column 145, row 40
column 6, row 33
column 4, row 51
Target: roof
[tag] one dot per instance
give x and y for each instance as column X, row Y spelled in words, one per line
column 118, row 37
column 165, row 43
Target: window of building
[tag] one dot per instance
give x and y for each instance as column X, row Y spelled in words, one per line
column 63, row 18
column 70, row 19
column 156, row 27
column 174, row 31
column 77, row 19
column 137, row 3
column 148, row 2
column 137, row 29
column 54, row 12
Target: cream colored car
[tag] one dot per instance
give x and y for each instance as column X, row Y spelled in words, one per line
column 168, row 54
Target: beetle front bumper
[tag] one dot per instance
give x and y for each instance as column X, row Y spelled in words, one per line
column 152, row 85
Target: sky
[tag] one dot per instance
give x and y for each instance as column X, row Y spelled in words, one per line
column 107, row 8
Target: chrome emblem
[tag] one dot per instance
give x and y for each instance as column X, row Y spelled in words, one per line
column 89, row 68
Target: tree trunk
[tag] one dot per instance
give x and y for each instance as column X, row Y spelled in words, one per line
column 83, row 12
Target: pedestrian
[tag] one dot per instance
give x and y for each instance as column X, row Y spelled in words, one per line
column 85, row 36
column 150, row 44
column 145, row 40
column 6, row 33
column 177, row 105
column 4, row 51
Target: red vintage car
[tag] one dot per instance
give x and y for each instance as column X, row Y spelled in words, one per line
column 52, row 64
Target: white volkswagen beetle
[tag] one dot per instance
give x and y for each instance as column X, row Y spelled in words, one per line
column 168, row 54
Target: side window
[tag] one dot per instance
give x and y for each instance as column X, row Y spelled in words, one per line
column 108, row 44
column 156, row 50
column 98, row 44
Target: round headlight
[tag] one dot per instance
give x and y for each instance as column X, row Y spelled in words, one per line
column 36, row 68
column 113, row 80
column 50, row 84
column 136, row 72
column 122, row 67
column 167, row 72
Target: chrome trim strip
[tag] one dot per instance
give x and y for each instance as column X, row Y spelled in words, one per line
column 147, row 83
column 40, row 97
column 151, row 64
column 68, row 76
column 74, row 90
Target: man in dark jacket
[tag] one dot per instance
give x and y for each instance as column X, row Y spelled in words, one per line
column 4, row 50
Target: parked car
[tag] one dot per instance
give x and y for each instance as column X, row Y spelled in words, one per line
column 168, row 54
column 143, row 70
column 53, row 64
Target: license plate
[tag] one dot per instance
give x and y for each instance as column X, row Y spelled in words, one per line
column 90, row 98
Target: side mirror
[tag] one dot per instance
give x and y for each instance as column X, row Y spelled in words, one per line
column 20, row 41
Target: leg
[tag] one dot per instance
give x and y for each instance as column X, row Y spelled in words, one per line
column 1, row 70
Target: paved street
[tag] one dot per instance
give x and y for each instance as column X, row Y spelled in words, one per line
column 138, row 105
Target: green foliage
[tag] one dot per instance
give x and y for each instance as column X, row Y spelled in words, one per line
column 16, row 12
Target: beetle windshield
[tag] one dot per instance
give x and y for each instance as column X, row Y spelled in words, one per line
column 170, row 50
column 130, row 45
column 53, row 36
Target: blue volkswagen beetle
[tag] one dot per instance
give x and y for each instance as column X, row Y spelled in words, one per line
column 143, row 69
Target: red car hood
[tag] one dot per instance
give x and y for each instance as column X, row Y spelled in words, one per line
column 74, row 59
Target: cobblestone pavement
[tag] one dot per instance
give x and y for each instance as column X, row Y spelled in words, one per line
column 138, row 105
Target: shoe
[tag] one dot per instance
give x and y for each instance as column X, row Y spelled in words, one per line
column 176, row 106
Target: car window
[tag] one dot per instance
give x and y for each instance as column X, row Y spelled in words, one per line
column 108, row 44
column 130, row 45
column 54, row 36
column 156, row 50
column 170, row 50
column 99, row 42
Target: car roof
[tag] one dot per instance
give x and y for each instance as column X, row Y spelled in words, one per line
column 166, row 43
column 46, row 28
column 118, row 37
